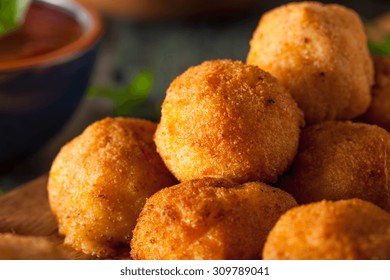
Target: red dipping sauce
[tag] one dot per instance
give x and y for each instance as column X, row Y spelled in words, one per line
column 45, row 29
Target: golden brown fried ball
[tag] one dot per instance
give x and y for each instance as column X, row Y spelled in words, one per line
column 99, row 183
column 223, row 118
column 379, row 111
column 208, row 218
column 17, row 247
column 346, row 229
column 341, row 160
column 318, row 52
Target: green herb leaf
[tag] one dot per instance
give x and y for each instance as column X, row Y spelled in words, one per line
column 127, row 98
column 380, row 48
column 12, row 14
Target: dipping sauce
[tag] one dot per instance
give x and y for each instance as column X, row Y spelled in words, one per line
column 45, row 29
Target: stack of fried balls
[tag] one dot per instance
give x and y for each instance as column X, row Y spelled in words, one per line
column 265, row 160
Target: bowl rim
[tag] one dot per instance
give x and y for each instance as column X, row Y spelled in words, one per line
column 89, row 19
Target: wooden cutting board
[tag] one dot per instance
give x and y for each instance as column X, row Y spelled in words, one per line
column 26, row 211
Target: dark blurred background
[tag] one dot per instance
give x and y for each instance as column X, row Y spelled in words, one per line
column 163, row 41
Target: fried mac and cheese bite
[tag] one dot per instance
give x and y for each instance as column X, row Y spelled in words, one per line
column 340, row 160
column 344, row 230
column 319, row 53
column 379, row 111
column 208, row 218
column 224, row 118
column 99, row 183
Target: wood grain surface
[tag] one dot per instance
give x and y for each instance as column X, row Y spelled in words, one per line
column 26, row 211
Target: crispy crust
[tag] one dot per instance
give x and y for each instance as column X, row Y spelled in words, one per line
column 224, row 118
column 208, row 218
column 341, row 160
column 319, row 52
column 347, row 229
column 379, row 111
column 99, row 183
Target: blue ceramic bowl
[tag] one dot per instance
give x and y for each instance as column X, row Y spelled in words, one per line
column 37, row 96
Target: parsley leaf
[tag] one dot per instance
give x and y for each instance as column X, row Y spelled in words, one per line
column 12, row 14
column 126, row 99
column 380, row 48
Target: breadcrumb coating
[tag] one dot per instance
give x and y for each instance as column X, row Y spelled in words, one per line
column 319, row 53
column 345, row 230
column 379, row 111
column 99, row 183
column 224, row 118
column 208, row 218
column 341, row 160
